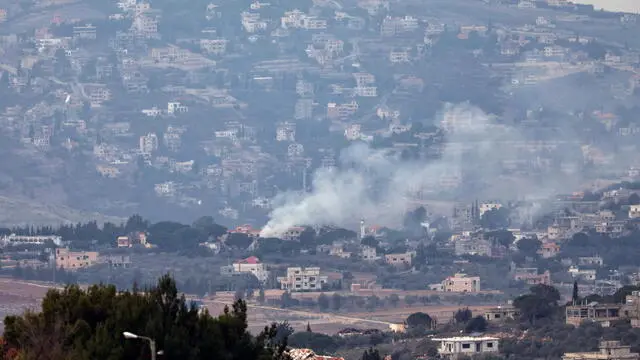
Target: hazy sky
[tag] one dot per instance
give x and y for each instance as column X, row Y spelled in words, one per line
column 632, row 6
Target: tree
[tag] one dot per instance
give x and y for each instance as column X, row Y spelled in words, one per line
column 410, row 299
column 576, row 295
column 529, row 246
column 394, row 299
column 495, row 219
column 336, row 302
column 239, row 240
column 634, row 199
column 371, row 354
column 477, row 324
column 462, row 316
column 323, row 302
column 261, row 297
column 419, row 320
column 308, row 327
column 541, row 302
column 87, row 324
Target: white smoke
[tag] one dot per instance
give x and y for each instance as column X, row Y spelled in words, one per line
column 379, row 186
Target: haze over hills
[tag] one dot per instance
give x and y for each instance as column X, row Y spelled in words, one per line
column 632, row 6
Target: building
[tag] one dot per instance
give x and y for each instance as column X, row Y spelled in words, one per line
column 73, row 260
column 634, row 211
column 609, row 350
column 600, row 313
column 455, row 347
column 398, row 259
column 175, row 107
column 292, row 233
column 461, row 283
column 474, row 247
column 148, row 143
column 117, row 261
column 13, row 240
column 124, row 242
column 251, row 265
column 302, row 279
column 368, row 253
column 502, row 313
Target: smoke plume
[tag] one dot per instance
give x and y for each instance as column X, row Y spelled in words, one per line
column 479, row 158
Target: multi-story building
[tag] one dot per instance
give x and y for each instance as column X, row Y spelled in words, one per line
column 634, row 211
column 461, row 283
column 593, row 312
column 252, row 265
column 148, row 143
column 13, row 240
column 302, row 279
column 465, row 346
column 609, row 350
column 73, row 260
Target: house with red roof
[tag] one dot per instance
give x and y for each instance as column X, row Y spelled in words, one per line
column 251, row 265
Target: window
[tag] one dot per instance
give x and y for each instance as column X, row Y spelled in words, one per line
column 490, row 345
column 466, row 346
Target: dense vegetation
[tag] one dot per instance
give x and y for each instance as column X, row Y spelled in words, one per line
column 88, row 324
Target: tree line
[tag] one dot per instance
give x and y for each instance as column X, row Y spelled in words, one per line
column 78, row 324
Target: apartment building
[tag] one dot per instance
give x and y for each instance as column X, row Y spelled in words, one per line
column 302, row 279
column 73, row 260
column 461, row 283
column 148, row 143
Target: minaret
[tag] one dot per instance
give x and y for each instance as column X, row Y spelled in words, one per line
column 363, row 231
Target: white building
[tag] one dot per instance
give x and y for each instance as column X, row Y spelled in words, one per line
column 252, row 265
column 352, row 132
column 485, row 207
column 13, row 239
column 455, row 347
column 176, row 107
column 286, row 132
column 148, row 143
column 634, row 211
column 302, row 279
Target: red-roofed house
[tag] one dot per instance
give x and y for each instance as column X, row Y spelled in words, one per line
column 253, row 266
column 247, row 230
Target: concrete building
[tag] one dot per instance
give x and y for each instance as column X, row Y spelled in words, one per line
column 594, row 312
column 455, row 347
column 148, row 143
column 73, row 260
column 634, row 211
column 398, row 259
column 252, row 265
column 302, row 279
column 501, row 313
column 461, row 283
column 609, row 350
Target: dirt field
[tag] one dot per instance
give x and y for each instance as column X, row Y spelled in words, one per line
column 18, row 296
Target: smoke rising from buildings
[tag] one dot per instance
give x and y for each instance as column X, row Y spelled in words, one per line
column 479, row 158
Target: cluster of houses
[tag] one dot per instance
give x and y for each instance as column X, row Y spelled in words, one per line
column 244, row 166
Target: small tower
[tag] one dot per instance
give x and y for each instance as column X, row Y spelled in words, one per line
column 363, row 231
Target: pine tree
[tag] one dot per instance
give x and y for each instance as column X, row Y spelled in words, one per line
column 576, row 295
column 309, row 327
